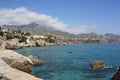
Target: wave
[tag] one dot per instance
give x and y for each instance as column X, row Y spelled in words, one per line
column 107, row 67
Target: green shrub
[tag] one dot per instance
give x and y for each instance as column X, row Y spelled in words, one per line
column 49, row 40
column 23, row 39
column 19, row 31
column 27, row 34
column 10, row 36
column 1, row 33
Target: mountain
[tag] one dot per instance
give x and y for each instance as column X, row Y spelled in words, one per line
column 40, row 29
column 91, row 36
column 112, row 38
column 109, row 37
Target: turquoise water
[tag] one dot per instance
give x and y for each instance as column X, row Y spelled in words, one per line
column 72, row 62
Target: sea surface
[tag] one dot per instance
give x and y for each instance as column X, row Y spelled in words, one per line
column 72, row 62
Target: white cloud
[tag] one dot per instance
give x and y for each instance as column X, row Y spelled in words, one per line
column 21, row 16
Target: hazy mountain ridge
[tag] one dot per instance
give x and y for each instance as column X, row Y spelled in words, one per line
column 112, row 38
column 41, row 29
column 91, row 35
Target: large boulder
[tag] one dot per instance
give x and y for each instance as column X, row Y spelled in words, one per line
column 35, row 61
column 97, row 65
column 40, row 42
column 8, row 73
column 16, row 60
column 116, row 75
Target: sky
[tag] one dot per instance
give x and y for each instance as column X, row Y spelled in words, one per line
column 74, row 16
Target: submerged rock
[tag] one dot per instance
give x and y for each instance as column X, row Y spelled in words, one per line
column 35, row 61
column 97, row 65
column 116, row 75
column 95, row 76
column 15, row 60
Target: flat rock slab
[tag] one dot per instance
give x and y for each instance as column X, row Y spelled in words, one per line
column 8, row 73
column 16, row 60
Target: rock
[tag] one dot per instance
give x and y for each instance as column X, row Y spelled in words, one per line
column 2, row 44
column 16, row 60
column 116, row 75
column 97, row 65
column 35, row 61
column 8, row 73
column 40, row 42
column 12, row 44
column 32, row 43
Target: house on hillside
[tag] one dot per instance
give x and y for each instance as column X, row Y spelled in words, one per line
column 38, row 36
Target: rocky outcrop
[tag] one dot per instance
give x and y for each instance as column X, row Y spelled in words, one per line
column 40, row 42
column 12, row 44
column 32, row 43
column 8, row 73
column 15, row 44
column 97, row 65
column 116, row 75
column 16, row 60
column 35, row 61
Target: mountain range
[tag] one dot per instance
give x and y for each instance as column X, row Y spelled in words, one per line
column 41, row 29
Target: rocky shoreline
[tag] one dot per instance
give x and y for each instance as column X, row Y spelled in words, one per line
column 15, row 44
column 14, row 66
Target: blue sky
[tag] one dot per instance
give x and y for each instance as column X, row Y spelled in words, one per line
column 76, row 16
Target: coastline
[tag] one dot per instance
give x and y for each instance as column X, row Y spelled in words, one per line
column 14, row 44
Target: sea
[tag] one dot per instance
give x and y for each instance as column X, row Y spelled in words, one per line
column 72, row 61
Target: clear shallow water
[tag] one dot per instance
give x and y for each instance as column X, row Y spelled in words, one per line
column 72, row 62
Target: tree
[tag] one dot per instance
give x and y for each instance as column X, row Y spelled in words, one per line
column 1, row 33
column 0, row 29
column 51, row 39
column 19, row 31
column 27, row 34
column 10, row 36
column 23, row 39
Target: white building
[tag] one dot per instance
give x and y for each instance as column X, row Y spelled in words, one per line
column 4, row 30
column 37, row 36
